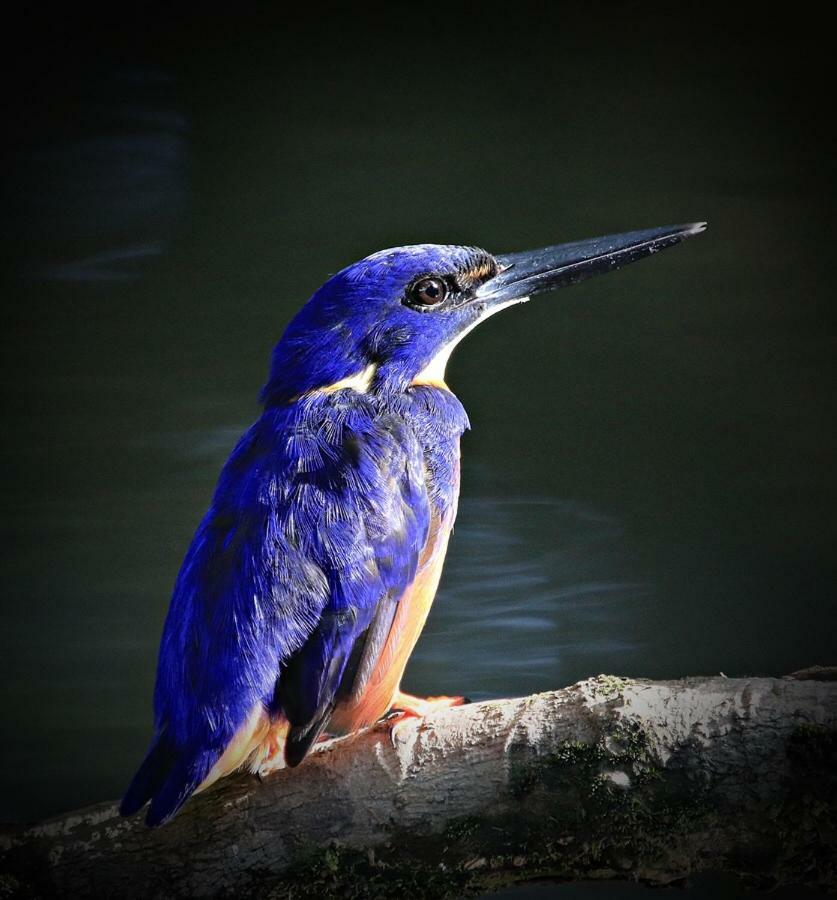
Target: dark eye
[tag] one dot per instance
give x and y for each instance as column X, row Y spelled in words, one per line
column 428, row 292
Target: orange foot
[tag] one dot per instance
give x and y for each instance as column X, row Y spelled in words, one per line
column 406, row 706
column 271, row 754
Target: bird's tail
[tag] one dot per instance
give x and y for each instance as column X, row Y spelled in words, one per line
column 167, row 777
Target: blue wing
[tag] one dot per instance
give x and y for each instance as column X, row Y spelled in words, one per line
column 314, row 531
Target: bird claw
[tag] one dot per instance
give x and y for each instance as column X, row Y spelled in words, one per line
column 406, row 706
column 272, row 756
column 423, row 706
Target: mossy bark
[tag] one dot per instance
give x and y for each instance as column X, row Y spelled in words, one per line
column 610, row 778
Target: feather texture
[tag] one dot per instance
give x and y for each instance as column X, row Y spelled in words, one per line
column 314, row 532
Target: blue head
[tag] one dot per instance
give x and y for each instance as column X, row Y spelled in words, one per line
column 383, row 319
column 394, row 317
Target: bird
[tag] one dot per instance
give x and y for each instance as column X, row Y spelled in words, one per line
column 310, row 577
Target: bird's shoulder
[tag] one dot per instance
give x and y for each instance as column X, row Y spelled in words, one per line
column 343, row 440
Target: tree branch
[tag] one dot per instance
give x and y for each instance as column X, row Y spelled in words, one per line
column 609, row 778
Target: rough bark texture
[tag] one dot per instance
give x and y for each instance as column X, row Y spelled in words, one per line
column 609, row 778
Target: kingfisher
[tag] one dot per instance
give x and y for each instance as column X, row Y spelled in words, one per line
column 309, row 579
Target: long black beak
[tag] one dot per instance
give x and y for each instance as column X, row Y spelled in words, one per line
column 531, row 272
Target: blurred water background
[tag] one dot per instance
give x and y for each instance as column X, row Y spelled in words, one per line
column 649, row 485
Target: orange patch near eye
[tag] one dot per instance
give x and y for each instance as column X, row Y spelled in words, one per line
column 481, row 271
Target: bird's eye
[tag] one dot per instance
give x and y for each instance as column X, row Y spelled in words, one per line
column 428, row 292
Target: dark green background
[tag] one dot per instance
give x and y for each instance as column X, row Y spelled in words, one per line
column 649, row 485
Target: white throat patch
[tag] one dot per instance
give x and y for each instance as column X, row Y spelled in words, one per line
column 434, row 372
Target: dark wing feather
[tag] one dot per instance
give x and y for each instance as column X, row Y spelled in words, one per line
column 368, row 650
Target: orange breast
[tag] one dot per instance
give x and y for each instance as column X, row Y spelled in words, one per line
column 413, row 608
